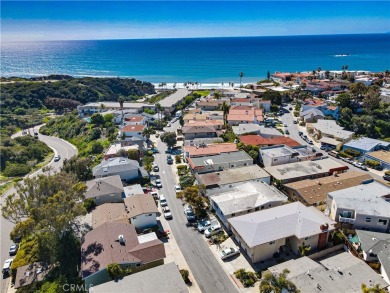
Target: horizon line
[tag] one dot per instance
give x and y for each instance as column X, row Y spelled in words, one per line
column 210, row 37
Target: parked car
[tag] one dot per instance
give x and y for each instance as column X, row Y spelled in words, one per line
column 213, row 230
column 177, row 188
column 386, row 177
column 285, row 125
column 13, row 249
column 310, row 142
column 57, row 158
column 290, row 108
column 154, row 150
column 157, row 134
column 300, row 133
column 167, row 212
column 295, row 121
column 169, row 159
column 158, row 183
column 7, row 267
column 163, row 201
column 287, row 132
column 156, row 168
column 229, row 252
column 361, row 166
column 189, row 213
column 323, row 147
column 155, row 194
column 169, row 125
column 203, row 225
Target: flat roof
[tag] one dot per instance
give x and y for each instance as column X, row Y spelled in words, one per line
column 305, row 168
column 316, row 190
column 366, row 143
column 246, row 128
column 381, row 155
column 247, row 196
column 210, row 149
column 126, row 105
column 279, row 222
column 233, row 175
column 174, row 98
column 367, row 199
column 219, row 159
column 164, row 279
column 330, row 127
column 342, row 272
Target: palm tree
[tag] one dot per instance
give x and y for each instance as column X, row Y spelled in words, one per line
column 276, row 283
column 232, row 84
column 225, row 108
column 121, row 100
column 304, row 249
column 196, row 83
column 158, row 109
column 241, row 76
column 319, row 70
column 102, row 107
column 222, row 84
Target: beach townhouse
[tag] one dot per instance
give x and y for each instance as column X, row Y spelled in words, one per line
column 340, row 272
column 316, row 168
column 105, row 190
column 281, row 77
column 365, row 206
column 201, row 129
column 223, row 181
column 135, row 131
column 211, row 104
column 282, row 154
column 169, row 103
column 219, row 162
column 98, row 107
column 244, row 199
column 142, row 210
column 118, row 243
column 314, row 191
column 264, row 233
column 126, row 169
column 134, row 120
column 195, row 117
column 247, row 128
column 250, row 115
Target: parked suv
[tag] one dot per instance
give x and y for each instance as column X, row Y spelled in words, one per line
column 189, row 212
column 213, row 230
column 203, row 225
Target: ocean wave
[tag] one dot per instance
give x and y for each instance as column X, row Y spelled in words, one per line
column 341, row 55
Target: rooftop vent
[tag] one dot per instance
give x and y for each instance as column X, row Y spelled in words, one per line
column 121, row 239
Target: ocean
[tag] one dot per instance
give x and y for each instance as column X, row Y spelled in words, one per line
column 204, row 60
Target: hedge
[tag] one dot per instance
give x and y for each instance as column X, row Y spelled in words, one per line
column 352, row 152
column 372, row 163
column 16, row 170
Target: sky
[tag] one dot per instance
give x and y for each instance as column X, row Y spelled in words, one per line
column 91, row 20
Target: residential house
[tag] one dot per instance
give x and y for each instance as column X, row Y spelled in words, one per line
column 383, row 157
column 366, row 145
column 166, row 278
column 96, row 107
column 371, row 244
column 365, row 206
column 133, row 141
column 210, row 104
column 193, row 132
column 326, row 107
column 282, row 154
column 332, row 111
column 247, row 128
column 251, row 115
column 281, row 77
column 329, row 132
column 105, row 190
column 169, row 103
column 217, row 124
column 195, row 117
column 222, row 181
column 263, row 104
column 311, row 115
column 305, row 170
column 151, row 118
column 245, row 198
column 203, row 141
column 31, row 273
column 337, row 273
column 109, row 212
column 142, row 210
column 127, row 169
column 214, row 115
column 262, row 234
column 116, row 149
column 118, row 243
column 314, row 191
column 134, row 120
column 262, row 141
column 241, row 102
column 203, row 150
column 219, row 162
column 133, row 131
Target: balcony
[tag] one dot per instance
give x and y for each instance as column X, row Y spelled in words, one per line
column 346, row 220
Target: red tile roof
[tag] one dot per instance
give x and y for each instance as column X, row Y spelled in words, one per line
column 263, row 141
column 135, row 118
column 211, row 149
column 240, row 100
column 133, row 128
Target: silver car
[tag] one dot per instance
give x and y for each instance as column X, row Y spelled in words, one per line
column 229, row 252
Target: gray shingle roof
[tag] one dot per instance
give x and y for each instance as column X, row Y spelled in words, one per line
column 104, row 186
column 163, row 279
column 370, row 240
column 115, row 165
column 221, row 158
column 279, row 222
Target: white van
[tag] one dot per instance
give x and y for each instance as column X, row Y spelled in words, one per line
column 163, row 201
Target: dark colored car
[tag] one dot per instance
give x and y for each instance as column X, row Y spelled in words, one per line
column 169, row 159
column 386, row 177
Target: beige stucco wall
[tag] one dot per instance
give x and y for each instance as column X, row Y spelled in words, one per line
column 266, row 251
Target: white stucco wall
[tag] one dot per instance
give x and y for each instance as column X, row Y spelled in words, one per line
column 144, row 221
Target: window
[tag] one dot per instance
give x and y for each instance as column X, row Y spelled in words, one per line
column 256, row 209
column 262, row 207
column 149, row 215
column 382, row 222
column 347, row 214
column 272, row 242
column 307, row 238
column 368, row 219
column 248, row 211
column 234, row 214
column 269, row 205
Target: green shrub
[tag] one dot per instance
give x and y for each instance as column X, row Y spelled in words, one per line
column 89, row 204
column 115, row 271
column 373, row 164
column 352, row 152
column 248, row 279
column 185, row 275
column 28, row 253
column 345, row 155
column 181, row 167
column 387, row 173
column 16, row 170
column 178, row 159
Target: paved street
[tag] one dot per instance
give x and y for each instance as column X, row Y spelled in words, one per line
column 288, row 118
column 60, row 147
column 207, row 271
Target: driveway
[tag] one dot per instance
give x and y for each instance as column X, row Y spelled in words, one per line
column 208, row 273
column 60, row 147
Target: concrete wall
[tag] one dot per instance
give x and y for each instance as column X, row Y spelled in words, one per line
column 373, row 225
column 144, row 221
column 275, row 161
column 114, row 197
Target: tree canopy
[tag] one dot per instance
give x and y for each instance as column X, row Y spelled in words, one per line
column 169, row 138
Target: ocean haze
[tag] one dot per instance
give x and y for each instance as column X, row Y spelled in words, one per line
column 204, row 60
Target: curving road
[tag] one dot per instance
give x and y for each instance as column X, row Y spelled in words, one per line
column 60, row 147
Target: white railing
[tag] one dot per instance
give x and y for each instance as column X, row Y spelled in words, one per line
column 346, row 220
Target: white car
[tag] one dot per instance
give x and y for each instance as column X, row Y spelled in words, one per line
column 169, row 125
column 203, row 225
column 167, row 212
column 57, row 158
column 7, row 266
column 285, row 125
column 213, row 230
column 177, row 188
column 229, row 252
column 158, row 183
